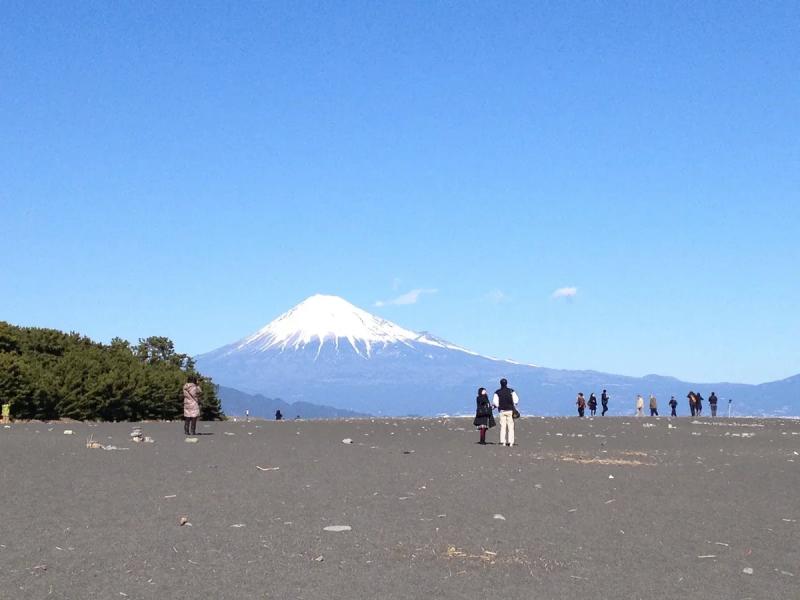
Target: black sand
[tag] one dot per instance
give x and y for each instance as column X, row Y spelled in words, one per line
column 688, row 510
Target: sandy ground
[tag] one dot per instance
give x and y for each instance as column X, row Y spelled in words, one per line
column 604, row 508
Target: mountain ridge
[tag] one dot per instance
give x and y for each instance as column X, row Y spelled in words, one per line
column 328, row 351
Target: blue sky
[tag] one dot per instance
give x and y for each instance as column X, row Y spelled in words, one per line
column 195, row 169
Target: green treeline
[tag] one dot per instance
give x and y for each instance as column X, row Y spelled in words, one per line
column 49, row 374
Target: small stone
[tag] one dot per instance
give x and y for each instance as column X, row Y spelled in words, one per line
column 184, row 521
column 747, row 571
column 338, row 528
column 320, row 558
column 190, row 440
column 499, row 517
column 347, row 441
column 69, row 432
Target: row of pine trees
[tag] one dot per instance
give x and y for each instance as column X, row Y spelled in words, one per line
column 48, row 374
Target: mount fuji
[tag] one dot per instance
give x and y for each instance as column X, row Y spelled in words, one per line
column 330, row 352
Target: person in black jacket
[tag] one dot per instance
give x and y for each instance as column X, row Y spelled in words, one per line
column 484, row 419
column 592, row 404
column 505, row 400
column 712, row 402
column 604, row 402
column 673, row 404
column 698, row 407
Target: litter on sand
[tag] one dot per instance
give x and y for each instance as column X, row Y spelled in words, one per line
column 337, row 528
column 267, row 468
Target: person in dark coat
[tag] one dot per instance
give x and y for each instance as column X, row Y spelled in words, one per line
column 712, row 402
column 604, row 402
column 484, row 419
column 692, row 403
column 698, row 404
column 673, row 404
column 592, row 404
column 278, row 415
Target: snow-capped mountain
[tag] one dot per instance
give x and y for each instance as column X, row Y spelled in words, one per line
column 330, row 352
column 329, row 319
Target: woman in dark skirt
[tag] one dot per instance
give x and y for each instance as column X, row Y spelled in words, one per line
column 484, row 419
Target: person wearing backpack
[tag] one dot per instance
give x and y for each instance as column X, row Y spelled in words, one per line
column 581, row 402
column 505, row 400
column 712, row 402
column 592, row 404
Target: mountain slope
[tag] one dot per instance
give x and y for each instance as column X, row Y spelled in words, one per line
column 327, row 351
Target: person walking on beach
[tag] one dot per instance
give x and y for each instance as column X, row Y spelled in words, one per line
column 604, row 402
column 673, row 404
column 484, row 419
column 191, row 405
column 639, row 405
column 692, row 403
column 581, row 402
column 278, row 415
column 653, row 406
column 712, row 402
column 592, row 404
column 505, row 400
column 698, row 404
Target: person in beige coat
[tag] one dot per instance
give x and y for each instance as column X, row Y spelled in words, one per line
column 639, row 406
column 191, row 405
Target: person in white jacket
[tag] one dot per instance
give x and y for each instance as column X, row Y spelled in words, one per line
column 505, row 399
column 639, row 405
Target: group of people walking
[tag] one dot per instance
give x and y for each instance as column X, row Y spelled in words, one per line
column 695, row 405
column 505, row 401
column 582, row 404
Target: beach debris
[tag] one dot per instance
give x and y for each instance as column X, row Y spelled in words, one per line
column 69, row 432
column 184, row 521
column 190, row 440
column 347, row 441
column 707, row 556
column 611, row 477
column 610, row 501
column 228, row 433
column 320, row 558
column 267, row 468
column 149, row 440
column 136, row 435
column 499, row 517
column 408, row 451
column 337, row 528
column 238, row 525
column 747, row 570
column 171, row 496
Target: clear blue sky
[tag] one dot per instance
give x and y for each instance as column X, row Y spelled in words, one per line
column 195, row 169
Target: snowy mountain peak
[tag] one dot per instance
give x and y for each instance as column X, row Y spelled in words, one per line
column 323, row 319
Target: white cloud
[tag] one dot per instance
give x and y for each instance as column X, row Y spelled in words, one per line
column 565, row 292
column 497, row 297
column 408, row 298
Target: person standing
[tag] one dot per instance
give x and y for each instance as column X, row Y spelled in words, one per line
column 692, row 402
column 278, row 415
column 639, row 405
column 712, row 402
column 191, row 405
column 698, row 404
column 505, row 400
column 592, row 404
column 604, row 402
column 673, row 404
column 484, row 419
column 581, row 402
column 653, row 406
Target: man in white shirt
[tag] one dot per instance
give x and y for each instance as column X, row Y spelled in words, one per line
column 505, row 399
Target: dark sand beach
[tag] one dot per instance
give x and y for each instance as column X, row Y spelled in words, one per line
column 606, row 508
